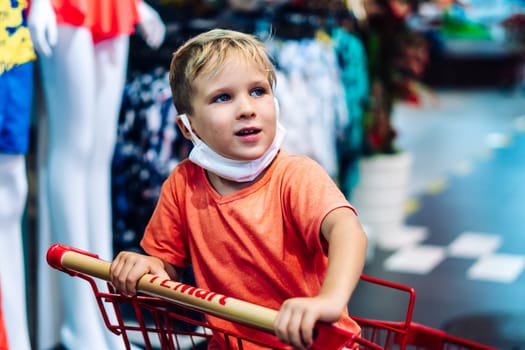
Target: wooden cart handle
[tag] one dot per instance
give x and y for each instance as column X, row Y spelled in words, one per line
column 72, row 260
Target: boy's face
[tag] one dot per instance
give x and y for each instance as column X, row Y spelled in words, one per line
column 234, row 110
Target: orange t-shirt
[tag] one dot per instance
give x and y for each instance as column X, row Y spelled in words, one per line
column 261, row 244
column 105, row 18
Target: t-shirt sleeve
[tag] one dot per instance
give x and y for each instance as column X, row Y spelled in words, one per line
column 310, row 194
column 164, row 236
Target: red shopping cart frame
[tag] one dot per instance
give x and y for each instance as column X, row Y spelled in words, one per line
column 174, row 318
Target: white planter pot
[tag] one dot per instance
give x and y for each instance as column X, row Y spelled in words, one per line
column 382, row 190
column 380, row 197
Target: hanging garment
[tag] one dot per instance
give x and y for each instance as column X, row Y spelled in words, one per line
column 352, row 59
column 16, row 81
column 15, row 41
column 148, row 148
column 313, row 103
column 105, row 18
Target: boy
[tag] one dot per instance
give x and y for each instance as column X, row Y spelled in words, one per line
column 255, row 222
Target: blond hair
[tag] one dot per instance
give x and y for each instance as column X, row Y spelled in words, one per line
column 206, row 53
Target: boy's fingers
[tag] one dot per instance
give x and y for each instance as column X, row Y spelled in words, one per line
column 294, row 331
column 158, row 272
column 281, row 325
column 307, row 326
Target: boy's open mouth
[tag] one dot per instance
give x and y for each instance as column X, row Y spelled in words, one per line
column 248, row 131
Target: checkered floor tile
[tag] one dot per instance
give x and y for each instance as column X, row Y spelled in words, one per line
column 487, row 265
column 418, row 259
column 474, row 244
column 497, row 268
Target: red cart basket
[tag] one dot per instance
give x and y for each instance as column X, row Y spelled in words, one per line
column 169, row 315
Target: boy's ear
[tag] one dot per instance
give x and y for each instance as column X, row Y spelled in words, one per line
column 277, row 107
column 183, row 129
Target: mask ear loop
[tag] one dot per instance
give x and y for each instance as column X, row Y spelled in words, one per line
column 187, row 124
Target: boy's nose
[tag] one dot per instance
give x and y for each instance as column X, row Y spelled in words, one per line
column 246, row 108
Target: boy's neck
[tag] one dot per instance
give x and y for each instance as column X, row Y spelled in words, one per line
column 225, row 187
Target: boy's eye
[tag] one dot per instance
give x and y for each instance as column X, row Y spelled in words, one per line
column 258, row 91
column 222, row 98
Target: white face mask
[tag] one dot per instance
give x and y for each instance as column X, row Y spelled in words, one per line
column 231, row 169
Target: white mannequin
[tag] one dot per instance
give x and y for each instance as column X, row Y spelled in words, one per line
column 82, row 83
column 13, row 195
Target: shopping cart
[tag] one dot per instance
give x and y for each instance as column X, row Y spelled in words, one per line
column 169, row 315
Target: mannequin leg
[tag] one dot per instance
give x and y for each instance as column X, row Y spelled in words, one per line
column 49, row 306
column 111, row 57
column 13, row 196
column 69, row 88
column 69, row 82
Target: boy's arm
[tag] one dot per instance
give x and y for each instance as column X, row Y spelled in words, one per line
column 128, row 267
column 346, row 256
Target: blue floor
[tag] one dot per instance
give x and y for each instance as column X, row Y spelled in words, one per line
column 471, row 143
